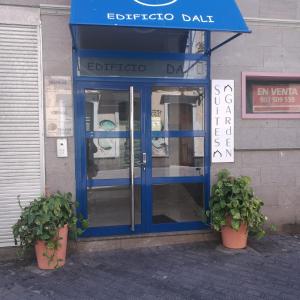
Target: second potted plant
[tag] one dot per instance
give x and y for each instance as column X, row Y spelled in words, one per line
column 235, row 210
column 44, row 225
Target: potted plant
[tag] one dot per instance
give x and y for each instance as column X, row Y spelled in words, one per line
column 235, row 210
column 45, row 224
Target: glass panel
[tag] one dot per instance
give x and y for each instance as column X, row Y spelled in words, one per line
column 181, row 202
column 110, row 206
column 138, row 67
column 109, row 158
column 108, row 110
column 149, row 39
column 177, row 109
column 173, row 157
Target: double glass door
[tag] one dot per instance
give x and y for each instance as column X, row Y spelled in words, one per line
column 141, row 158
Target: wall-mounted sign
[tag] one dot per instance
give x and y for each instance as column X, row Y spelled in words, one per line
column 222, row 121
column 142, row 68
column 59, row 112
column 276, row 98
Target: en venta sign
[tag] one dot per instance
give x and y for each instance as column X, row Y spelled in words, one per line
column 222, row 121
column 276, row 98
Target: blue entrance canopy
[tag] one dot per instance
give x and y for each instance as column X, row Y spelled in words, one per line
column 208, row 15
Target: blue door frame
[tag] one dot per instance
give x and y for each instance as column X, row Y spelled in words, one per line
column 144, row 85
column 146, row 181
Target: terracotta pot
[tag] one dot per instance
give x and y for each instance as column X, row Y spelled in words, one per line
column 59, row 255
column 234, row 239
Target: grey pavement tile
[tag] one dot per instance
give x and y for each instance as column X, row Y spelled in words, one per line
column 268, row 269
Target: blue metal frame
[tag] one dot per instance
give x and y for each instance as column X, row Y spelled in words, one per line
column 144, row 85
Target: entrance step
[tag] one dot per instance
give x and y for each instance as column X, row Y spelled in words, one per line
column 142, row 241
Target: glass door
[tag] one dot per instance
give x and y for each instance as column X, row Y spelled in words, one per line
column 178, row 157
column 141, row 158
column 113, row 160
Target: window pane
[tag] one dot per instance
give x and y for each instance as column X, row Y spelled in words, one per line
column 178, row 203
column 108, row 110
column 109, row 158
column 173, row 157
column 150, row 39
column 139, row 67
column 110, row 206
column 177, row 109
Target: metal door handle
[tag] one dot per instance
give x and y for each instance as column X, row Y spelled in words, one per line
column 131, row 117
column 144, row 159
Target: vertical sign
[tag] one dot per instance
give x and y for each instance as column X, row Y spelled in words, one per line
column 222, row 121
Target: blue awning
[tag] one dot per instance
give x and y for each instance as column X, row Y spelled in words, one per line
column 208, row 15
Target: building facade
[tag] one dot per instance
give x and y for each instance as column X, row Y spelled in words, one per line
column 51, row 125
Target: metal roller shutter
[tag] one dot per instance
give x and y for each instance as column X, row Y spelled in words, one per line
column 20, row 130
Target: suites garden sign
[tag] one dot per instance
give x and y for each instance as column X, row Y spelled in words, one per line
column 222, row 121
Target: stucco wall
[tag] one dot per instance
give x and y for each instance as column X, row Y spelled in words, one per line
column 266, row 150
column 57, row 60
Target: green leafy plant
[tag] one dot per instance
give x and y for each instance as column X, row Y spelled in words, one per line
column 41, row 220
column 234, row 197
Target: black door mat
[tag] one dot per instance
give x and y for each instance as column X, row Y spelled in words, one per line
column 159, row 219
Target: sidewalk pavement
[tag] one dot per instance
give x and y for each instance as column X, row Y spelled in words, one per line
column 268, row 269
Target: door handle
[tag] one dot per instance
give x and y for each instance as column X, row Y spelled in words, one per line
column 131, row 119
column 144, row 159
